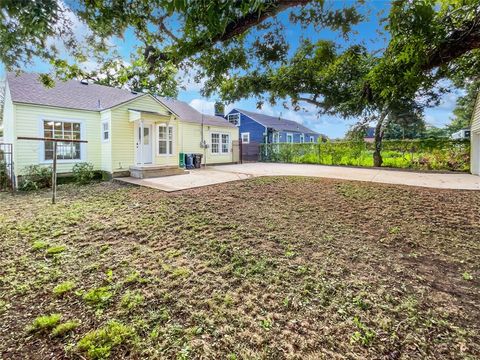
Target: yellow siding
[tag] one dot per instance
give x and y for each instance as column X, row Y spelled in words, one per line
column 476, row 116
column 117, row 154
column 123, row 141
column 28, row 122
column 106, row 146
column 192, row 136
column 168, row 159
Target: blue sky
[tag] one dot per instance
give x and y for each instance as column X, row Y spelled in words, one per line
column 369, row 33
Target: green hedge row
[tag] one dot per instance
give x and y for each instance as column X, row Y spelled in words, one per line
column 423, row 154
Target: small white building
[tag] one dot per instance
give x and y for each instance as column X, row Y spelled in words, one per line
column 475, row 139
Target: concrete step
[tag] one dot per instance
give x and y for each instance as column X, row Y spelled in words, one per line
column 146, row 172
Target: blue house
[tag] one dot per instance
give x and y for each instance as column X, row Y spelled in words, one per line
column 260, row 128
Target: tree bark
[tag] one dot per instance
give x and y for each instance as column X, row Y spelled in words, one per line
column 378, row 138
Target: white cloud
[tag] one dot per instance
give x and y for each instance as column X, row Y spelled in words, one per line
column 207, row 107
column 204, row 106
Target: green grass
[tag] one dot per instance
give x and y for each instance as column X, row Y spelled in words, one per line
column 98, row 296
column 65, row 328
column 63, row 288
column 55, row 250
column 45, row 322
column 99, row 343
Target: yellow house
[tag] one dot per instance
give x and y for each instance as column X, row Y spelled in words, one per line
column 126, row 132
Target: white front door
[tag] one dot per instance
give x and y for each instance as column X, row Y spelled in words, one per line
column 144, row 148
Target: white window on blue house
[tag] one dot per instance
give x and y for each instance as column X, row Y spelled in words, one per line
column 105, row 131
column 234, row 119
column 290, row 138
column 302, row 138
column 67, row 130
column 276, row 137
column 312, row 139
column 245, row 137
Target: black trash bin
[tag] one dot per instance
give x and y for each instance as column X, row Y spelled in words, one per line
column 197, row 160
column 189, row 161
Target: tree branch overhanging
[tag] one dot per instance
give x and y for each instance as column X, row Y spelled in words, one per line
column 234, row 28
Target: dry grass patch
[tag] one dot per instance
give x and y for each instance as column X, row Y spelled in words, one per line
column 268, row 268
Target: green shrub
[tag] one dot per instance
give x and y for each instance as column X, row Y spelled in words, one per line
column 98, row 344
column 4, row 176
column 36, row 177
column 83, row 173
column 45, row 322
column 63, row 288
column 64, row 328
column 422, row 154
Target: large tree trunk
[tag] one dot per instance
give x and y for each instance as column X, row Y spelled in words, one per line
column 379, row 131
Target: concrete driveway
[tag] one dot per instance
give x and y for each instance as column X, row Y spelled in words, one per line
column 226, row 173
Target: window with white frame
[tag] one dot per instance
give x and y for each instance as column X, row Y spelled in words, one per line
column 220, row 143
column 276, row 137
column 290, row 138
column 105, row 131
column 234, row 119
column 67, row 130
column 312, row 139
column 225, row 143
column 245, row 137
column 302, row 138
column 165, row 139
column 215, row 143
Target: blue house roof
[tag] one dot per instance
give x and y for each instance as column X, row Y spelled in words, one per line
column 277, row 123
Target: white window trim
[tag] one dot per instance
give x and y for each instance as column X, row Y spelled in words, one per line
column 312, row 139
column 220, row 150
column 276, row 137
column 286, row 138
column 172, row 150
column 239, row 118
column 248, row 135
column 302, row 138
column 103, row 131
column 41, row 146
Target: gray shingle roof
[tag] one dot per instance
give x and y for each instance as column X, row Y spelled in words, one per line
column 277, row 123
column 26, row 88
column 189, row 114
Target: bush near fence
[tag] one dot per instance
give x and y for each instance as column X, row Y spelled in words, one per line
column 421, row 154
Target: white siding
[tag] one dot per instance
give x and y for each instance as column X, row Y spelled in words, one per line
column 475, row 139
column 476, row 115
column 8, row 118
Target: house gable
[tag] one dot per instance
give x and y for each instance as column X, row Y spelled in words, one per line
column 249, row 125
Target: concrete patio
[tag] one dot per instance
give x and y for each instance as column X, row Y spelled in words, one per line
column 226, row 173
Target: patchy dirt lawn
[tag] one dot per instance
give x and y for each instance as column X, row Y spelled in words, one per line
column 269, row 268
